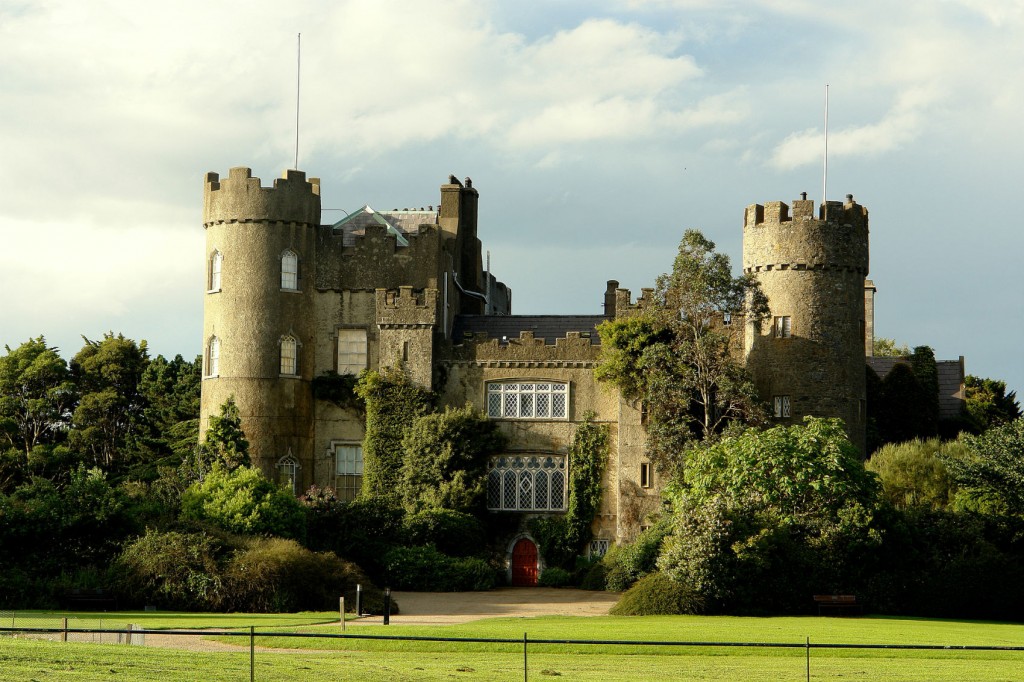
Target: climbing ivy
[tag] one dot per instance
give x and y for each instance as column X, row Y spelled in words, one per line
column 339, row 389
column 562, row 538
column 393, row 402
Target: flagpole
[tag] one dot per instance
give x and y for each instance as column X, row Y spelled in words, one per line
column 298, row 85
column 824, row 175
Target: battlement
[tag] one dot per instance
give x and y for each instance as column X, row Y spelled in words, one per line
column 572, row 350
column 778, row 212
column 624, row 306
column 241, row 198
column 406, row 307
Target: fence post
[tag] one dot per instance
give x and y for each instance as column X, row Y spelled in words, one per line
column 525, row 673
column 808, row 659
column 387, row 606
column 252, row 653
column 342, row 609
column 359, row 601
column 128, row 637
column 64, row 629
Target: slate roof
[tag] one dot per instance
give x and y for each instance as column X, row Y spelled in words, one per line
column 547, row 327
column 951, row 381
column 398, row 223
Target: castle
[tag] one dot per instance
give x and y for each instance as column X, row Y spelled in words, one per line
column 289, row 299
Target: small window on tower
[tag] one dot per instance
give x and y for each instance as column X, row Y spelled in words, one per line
column 289, row 271
column 782, row 409
column 216, row 260
column 645, row 475
column 213, row 357
column 289, row 356
column 783, row 326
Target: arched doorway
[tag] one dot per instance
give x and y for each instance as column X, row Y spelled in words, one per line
column 524, row 563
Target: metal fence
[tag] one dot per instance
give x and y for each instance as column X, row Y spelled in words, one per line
column 71, row 629
column 29, row 626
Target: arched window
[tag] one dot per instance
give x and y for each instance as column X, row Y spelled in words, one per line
column 213, row 357
column 289, row 270
column 216, row 260
column 289, row 356
column 534, row 483
column 288, row 471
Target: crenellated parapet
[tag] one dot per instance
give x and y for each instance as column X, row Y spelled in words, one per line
column 241, row 198
column 774, row 238
column 406, row 307
column 376, row 259
column 571, row 351
column 624, row 305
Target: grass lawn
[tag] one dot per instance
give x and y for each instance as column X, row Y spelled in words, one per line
column 171, row 620
column 388, row 660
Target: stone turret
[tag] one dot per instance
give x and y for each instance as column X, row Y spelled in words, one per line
column 808, row 357
column 258, row 316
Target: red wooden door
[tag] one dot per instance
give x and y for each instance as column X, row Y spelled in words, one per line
column 524, row 563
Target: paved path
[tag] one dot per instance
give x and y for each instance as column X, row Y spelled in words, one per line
column 446, row 608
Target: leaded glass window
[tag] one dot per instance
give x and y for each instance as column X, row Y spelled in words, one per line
column 526, row 483
column 522, row 400
column 289, row 270
column 289, row 356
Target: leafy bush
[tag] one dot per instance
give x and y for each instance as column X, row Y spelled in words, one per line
column 361, row 531
column 244, row 501
column 912, row 474
column 626, row 564
column 175, row 571
column 425, row 569
column 452, row 532
column 595, row 577
column 272, row 575
column 554, row 577
column 656, row 595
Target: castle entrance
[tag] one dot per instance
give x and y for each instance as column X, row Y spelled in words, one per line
column 524, row 563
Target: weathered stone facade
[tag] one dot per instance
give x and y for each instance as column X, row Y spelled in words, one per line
column 289, row 299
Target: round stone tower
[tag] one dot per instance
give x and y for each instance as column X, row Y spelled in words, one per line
column 258, row 317
column 808, row 357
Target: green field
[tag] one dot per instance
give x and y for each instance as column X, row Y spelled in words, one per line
column 319, row 659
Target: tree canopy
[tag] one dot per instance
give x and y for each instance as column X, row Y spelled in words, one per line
column 677, row 354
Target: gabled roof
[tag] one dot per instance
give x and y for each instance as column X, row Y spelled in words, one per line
column 398, row 223
column 950, row 374
column 547, row 327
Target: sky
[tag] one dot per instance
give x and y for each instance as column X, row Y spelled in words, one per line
column 596, row 132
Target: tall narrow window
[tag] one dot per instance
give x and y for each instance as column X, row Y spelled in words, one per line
column 783, row 327
column 289, row 271
column 289, row 356
column 349, row 472
column 288, row 472
column 351, row 351
column 213, row 357
column 215, row 264
column 645, row 475
column 782, row 406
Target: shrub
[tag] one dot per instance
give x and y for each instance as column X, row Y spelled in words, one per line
column 912, row 474
column 244, row 501
column 362, row 531
column 176, row 571
column 595, row 578
column 425, row 569
column 270, row 575
column 555, row 577
column 626, row 564
column 452, row 532
column 658, row 595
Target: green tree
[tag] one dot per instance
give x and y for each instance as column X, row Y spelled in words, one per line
column 393, row 402
column 109, row 419
column 913, row 474
column 888, row 348
column 171, row 390
column 761, row 518
column 988, row 404
column 445, row 462
column 677, row 355
column 36, row 400
column 225, row 444
column 992, row 471
column 244, row 501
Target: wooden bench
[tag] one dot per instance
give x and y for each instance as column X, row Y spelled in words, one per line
column 839, row 604
column 90, row 599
